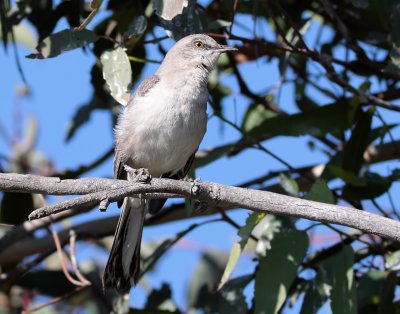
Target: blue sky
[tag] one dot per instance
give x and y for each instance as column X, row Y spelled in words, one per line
column 60, row 85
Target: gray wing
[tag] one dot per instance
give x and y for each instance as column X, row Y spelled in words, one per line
column 145, row 86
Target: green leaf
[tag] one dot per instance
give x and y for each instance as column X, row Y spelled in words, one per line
column 315, row 296
column 117, row 73
column 317, row 122
column 338, row 272
column 369, row 287
column 346, row 176
column 393, row 261
column 353, row 154
column 15, row 207
column 244, row 232
column 82, row 115
column 273, row 225
column 135, row 30
column 216, row 24
column 63, row 41
column 232, row 261
column 255, row 116
column 237, row 248
column 320, row 192
column 380, row 132
column 375, row 185
column 161, row 299
column 278, row 269
column 289, row 185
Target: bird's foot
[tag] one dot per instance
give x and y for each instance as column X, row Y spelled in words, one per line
column 139, row 175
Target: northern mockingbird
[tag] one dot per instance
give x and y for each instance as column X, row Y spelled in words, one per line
column 160, row 129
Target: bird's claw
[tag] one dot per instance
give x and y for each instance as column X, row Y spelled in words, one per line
column 140, row 175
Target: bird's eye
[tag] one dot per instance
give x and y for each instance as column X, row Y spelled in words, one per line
column 198, row 44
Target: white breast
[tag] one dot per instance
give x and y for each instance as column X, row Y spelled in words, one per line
column 161, row 130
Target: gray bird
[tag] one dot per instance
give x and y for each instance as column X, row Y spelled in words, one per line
column 160, row 129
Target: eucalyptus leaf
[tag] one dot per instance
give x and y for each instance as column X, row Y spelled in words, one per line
column 63, row 41
column 277, row 270
column 117, row 73
column 320, row 192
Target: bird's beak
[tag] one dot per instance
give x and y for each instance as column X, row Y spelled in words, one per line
column 223, row 48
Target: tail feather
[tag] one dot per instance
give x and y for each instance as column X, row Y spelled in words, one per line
column 123, row 266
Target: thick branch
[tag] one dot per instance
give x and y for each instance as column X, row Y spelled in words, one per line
column 212, row 194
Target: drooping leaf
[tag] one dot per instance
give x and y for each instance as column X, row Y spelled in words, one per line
column 117, row 73
column 320, row 192
column 238, row 247
column 232, row 261
column 338, row 273
column 353, row 154
column 289, row 185
column 161, row 299
column 315, row 296
column 277, row 270
column 273, row 226
column 393, row 261
column 374, row 186
column 82, row 115
column 380, row 132
column 135, row 30
column 255, row 115
column 346, row 176
column 244, row 232
column 180, row 18
column 63, row 41
column 316, row 122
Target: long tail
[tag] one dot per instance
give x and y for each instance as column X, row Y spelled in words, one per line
column 123, row 266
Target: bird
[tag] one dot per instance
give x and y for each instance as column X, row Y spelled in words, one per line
column 160, row 130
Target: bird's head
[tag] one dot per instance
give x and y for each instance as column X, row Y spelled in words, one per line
column 197, row 50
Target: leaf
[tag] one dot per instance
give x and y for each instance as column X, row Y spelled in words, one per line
column 180, row 18
column 320, row 192
column 338, row 272
column 161, row 299
column 244, row 232
column 230, row 266
column 63, row 41
column 393, row 261
column 317, row 122
column 255, row 115
column 216, row 24
column 135, row 30
column 315, row 296
column 289, row 185
column 353, row 154
column 82, row 115
column 380, row 132
column 369, row 287
column 273, row 226
column 346, row 176
column 375, row 185
column 23, row 36
column 15, row 207
column 117, row 73
column 277, row 270
column 237, row 248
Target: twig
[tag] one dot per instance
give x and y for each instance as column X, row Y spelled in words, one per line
column 55, row 300
column 62, row 259
column 72, row 240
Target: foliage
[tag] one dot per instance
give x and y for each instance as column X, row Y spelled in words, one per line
column 340, row 60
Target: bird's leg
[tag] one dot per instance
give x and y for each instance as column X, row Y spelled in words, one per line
column 138, row 175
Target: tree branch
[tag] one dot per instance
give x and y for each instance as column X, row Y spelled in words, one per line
column 212, row 194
